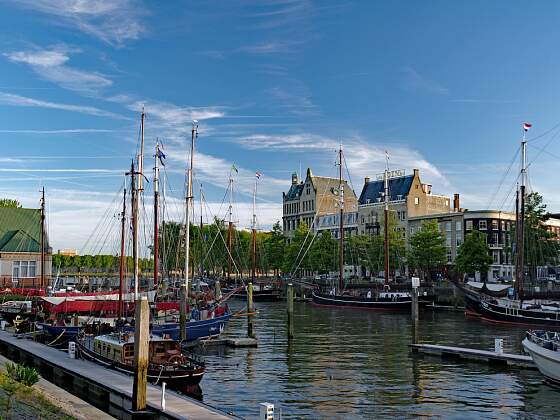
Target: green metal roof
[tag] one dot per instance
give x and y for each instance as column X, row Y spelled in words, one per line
column 20, row 230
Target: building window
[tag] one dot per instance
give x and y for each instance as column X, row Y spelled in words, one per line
column 417, row 199
column 449, row 256
column 494, row 225
column 496, row 257
column 495, row 239
column 308, row 189
column 24, row 269
column 503, row 225
column 458, row 240
column 468, row 225
column 448, row 226
column 458, row 226
column 482, row 225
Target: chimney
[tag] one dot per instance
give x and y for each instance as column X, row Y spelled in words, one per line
column 366, row 180
column 456, row 204
column 295, row 179
column 416, row 173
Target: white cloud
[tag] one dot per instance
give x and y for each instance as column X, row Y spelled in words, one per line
column 61, row 131
column 18, row 100
column 364, row 158
column 414, row 81
column 112, row 21
column 50, row 64
column 174, row 115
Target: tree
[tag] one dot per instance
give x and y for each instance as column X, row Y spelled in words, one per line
column 275, row 245
column 7, row 202
column 296, row 250
column 541, row 246
column 427, row 249
column 323, row 255
column 473, row 254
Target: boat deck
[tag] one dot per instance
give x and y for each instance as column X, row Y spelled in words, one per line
column 485, row 356
column 177, row 406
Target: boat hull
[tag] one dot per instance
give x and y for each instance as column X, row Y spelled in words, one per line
column 501, row 314
column 175, row 379
column 547, row 361
column 196, row 330
column 398, row 304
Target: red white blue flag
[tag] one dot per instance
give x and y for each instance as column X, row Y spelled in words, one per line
column 527, row 126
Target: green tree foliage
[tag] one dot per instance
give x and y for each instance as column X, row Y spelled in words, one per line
column 427, row 249
column 7, row 202
column 541, row 245
column 275, row 245
column 292, row 255
column 473, row 254
column 323, row 255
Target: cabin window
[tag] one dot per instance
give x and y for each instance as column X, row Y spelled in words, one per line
column 24, row 269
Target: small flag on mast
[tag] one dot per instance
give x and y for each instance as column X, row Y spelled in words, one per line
column 527, row 126
column 234, row 168
column 258, row 175
column 160, row 156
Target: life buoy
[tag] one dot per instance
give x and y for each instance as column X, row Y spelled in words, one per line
column 175, row 358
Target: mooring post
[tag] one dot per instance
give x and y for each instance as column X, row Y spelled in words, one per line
column 290, row 311
column 163, row 384
column 414, row 309
column 218, row 291
column 141, row 343
column 250, row 332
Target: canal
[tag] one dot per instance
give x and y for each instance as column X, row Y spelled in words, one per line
column 348, row 364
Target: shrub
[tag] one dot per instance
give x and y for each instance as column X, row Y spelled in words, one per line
column 22, row 374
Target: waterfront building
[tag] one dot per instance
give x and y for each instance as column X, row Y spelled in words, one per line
column 499, row 228
column 311, row 198
column 20, row 248
column 408, row 197
column 331, row 222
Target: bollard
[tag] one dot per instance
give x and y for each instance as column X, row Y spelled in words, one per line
column 290, row 311
column 499, row 345
column 250, row 332
column 72, row 350
column 266, row 411
column 141, row 350
column 218, row 291
column 163, row 396
column 414, row 308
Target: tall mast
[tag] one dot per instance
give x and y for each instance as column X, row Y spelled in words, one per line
column 121, row 267
column 134, row 202
column 521, row 244
column 341, row 228
column 254, row 232
column 185, row 287
column 156, row 218
column 386, row 214
column 201, row 238
column 136, row 219
column 230, row 225
column 42, row 239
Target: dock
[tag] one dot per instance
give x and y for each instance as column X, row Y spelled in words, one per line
column 107, row 389
column 484, row 356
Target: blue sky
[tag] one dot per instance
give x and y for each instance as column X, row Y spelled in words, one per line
column 276, row 85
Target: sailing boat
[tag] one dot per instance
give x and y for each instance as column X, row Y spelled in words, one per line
column 382, row 301
column 519, row 309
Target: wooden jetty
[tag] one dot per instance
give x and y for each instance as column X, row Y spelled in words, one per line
column 105, row 388
column 485, row 356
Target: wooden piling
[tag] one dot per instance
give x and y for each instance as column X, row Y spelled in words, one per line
column 250, row 332
column 218, row 290
column 290, row 311
column 141, row 353
column 414, row 313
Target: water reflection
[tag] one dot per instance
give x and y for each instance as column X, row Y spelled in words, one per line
column 351, row 364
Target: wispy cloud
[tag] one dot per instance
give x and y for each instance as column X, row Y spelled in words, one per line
column 50, row 64
column 482, row 101
column 414, row 81
column 362, row 155
column 62, row 131
column 271, row 47
column 18, row 100
column 112, row 21
column 295, row 98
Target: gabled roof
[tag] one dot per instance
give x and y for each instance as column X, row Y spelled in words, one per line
column 294, row 192
column 398, row 189
column 20, row 230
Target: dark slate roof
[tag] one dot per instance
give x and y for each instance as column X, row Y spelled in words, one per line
column 294, row 192
column 20, row 230
column 397, row 187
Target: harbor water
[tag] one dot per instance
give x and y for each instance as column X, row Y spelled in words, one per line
column 354, row 364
